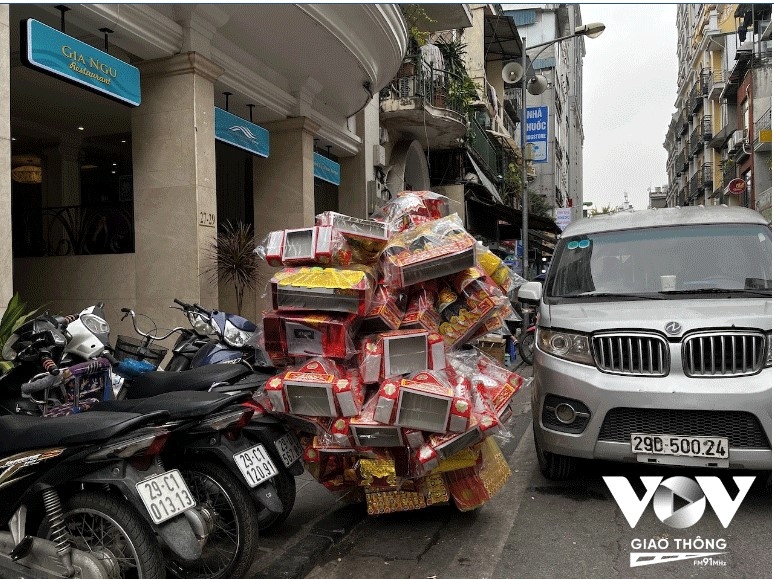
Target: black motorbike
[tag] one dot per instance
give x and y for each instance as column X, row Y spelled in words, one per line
column 205, row 446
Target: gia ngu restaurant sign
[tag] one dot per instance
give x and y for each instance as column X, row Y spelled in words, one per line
column 57, row 54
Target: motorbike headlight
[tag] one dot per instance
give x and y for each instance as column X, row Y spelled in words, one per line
column 235, row 337
column 200, row 324
column 95, row 324
column 768, row 350
column 9, row 353
column 573, row 347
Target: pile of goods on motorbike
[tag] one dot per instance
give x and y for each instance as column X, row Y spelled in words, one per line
column 370, row 329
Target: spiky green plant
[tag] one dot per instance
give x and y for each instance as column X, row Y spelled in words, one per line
column 14, row 316
column 233, row 259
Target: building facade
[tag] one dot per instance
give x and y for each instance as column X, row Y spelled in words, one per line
column 106, row 199
column 558, row 172
column 719, row 138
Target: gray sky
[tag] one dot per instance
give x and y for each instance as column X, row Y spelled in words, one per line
column 630, row 87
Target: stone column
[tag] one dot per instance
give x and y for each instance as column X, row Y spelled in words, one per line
column 175, row 209
column 6, row 256
column 358, row 170
column 283, row 185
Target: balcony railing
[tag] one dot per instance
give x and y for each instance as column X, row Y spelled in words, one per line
column 763, row 129
column 706, row 127
column 704, row 82
column 697, row 100
column 416, row 78
column 481, row 144
column 680, row 162
column 697, row 141
column 693, row 186
column 729, row 171
column 75, row 230
column 708, row 174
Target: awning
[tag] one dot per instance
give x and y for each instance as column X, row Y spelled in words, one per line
column 485, row 181
column 499, row 222
column 501, row 38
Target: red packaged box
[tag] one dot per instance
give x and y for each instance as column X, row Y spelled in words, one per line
column 367, row 431
column 449, row 444
column 386, row 313
column 421, row 309
column 307, row 334
column 424, row 402
column 349, row 394
column 309, row 390
column 466, row 306
column 400, row 352
column 433, row 250
column 348, row 290
column 366, row 238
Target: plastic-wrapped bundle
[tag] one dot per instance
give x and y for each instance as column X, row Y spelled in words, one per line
column 366, row 237
column 309, row 334
column 318, row 245
column 430, row 251
column 327, row 289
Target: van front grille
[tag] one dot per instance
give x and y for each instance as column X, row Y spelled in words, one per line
column 725, row 353
column 631, row 354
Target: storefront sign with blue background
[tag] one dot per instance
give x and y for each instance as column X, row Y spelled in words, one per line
column 537, row 133
column 243, row 134
column 326, row 169
column 57, row 54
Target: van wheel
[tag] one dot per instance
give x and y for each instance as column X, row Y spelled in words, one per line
column 554, row 466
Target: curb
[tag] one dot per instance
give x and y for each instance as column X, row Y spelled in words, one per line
column 302, row 557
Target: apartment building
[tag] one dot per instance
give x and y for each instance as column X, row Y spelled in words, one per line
column 559, row 167
column 719, row 138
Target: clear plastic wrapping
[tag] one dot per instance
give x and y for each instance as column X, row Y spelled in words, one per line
column 435, row 249
column 348, row 290
column 318, row 245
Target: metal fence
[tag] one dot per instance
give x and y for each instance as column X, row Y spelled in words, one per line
column 74, row 230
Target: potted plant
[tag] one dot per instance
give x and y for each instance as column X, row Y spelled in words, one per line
column 234, row 260
column 415, row 17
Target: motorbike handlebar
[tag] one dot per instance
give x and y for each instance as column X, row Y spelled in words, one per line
column 37, row 384
column 148, row 335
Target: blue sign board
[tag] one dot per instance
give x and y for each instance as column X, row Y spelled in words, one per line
column 57, row 54
column 326, row 169
column 537, row 133
column 240, row 133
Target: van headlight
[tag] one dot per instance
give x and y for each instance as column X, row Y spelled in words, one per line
column 573, row 347
column 768, row 350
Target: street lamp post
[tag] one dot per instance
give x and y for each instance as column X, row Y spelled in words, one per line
column 536, row 86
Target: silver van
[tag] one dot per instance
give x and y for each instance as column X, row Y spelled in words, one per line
column 654, row 341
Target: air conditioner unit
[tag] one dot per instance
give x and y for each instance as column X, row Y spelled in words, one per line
column 736, row 140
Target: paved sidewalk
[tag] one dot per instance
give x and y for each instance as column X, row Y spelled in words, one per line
column 320, row 519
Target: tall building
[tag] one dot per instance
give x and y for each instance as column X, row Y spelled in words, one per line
column 719, row 138
column 559, row 167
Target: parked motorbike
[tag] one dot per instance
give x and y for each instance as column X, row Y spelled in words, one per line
column 72, row 495
column 204, row 444
column 230, row 368
column 104, row 466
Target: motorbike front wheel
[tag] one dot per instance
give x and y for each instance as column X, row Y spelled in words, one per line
column 526, row 347
column 233, row 542
column 115, row 533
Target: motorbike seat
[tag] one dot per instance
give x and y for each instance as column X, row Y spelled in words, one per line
column 22, row 433
column 153, row 383
column 180, row 405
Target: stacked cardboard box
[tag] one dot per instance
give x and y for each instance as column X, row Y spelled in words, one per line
column 371, row 325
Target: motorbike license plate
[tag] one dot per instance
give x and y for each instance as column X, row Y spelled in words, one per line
column 289, row 448
column 696, row 446
column 165, row 495
column 255, row 465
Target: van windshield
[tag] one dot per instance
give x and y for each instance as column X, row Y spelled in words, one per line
column 662, row 261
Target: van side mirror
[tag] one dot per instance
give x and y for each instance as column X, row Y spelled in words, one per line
column 531, row 292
